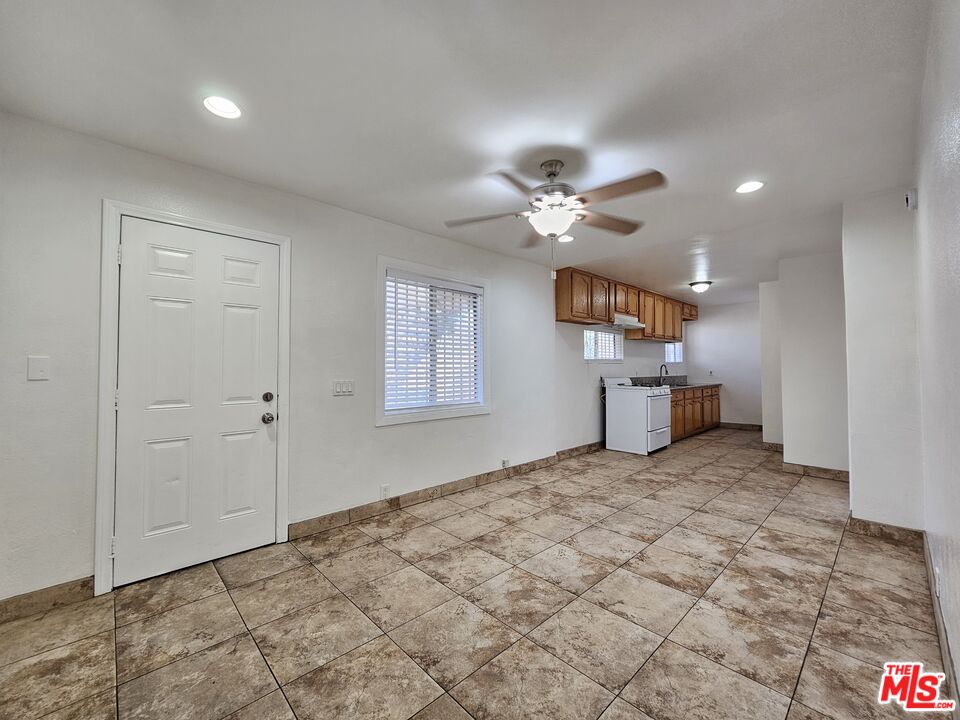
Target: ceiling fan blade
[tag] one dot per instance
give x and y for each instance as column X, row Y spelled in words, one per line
column 609, row 222
column 484, row 218
column 514, row 182
column 639, row 183
column 532, row 239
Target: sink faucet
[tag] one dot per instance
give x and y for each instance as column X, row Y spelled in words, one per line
column 663, row 371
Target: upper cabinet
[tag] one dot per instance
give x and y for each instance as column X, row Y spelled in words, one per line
column 589, row 299
column 626, row 299
column 582, row 297
column 600, row 309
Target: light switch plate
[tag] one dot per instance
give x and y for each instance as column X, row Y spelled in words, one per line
column 342, row 388
column 38, row 367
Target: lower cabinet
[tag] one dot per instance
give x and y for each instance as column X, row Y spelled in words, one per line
column 693, row 411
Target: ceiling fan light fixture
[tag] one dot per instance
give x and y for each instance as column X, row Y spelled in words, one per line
column 565, row 238
column 701, row 286
column 749, row 187
column 552, row 220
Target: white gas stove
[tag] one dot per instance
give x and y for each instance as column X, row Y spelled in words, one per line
column 638, row 416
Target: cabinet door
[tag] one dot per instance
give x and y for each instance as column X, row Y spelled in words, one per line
column 620, row 302
column 676, row 418
column 633, row 301
column 677, row 321
column 688, row 425
column 659, row 311
column 715, row 407
column 697, row 414
column 668, row 330
column 601, row 299
column 581, row 295
column 649, row 315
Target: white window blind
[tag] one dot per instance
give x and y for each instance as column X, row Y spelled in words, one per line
column 602, row 345
column 433, row 344
column 673, row 352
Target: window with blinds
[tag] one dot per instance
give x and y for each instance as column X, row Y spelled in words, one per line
column 602, row 345
column 673, row 352
column 433, row 343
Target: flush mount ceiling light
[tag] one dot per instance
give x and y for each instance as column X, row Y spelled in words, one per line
column 565, row 238
column 701, row 286
column 555, row 205
column 749, row 187
column 222, row 107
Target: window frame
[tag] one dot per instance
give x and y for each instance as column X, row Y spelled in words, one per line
column 385, row 417
column 606, row 361
column 682, row 353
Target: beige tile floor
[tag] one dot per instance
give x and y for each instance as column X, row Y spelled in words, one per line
column 702, row 583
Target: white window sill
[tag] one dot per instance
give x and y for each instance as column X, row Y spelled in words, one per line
column 605, row 362
column 409, row 416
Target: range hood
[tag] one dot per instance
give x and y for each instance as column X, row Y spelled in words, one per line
column 627, row 322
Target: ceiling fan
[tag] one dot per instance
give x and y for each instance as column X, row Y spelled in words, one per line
column 555, row 205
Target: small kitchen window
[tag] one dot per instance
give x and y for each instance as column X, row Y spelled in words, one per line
column 673, row 352
column 432, row 342
column 602, row 346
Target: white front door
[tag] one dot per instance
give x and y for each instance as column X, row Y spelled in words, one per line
column 199, row 336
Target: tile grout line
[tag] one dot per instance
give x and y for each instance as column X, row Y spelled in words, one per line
column 667, row 637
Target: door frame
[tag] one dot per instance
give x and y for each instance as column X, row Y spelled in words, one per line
column 113, row 211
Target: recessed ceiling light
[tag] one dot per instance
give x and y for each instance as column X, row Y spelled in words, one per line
column 701, row 286
column 565, row 238
column 222, row 107
column 750, row 186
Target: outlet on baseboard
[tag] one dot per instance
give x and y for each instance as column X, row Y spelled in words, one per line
column 384, row 491
column 504, row 463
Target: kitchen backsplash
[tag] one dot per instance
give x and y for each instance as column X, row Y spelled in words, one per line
column 667, row 379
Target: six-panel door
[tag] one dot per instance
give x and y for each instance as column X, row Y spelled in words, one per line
column 196, row 466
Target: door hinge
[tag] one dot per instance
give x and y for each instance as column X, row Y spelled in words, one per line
column 113, row 547
column 116, row 399
column 119, row 254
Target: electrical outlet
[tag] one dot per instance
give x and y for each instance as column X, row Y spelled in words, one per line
column 504, row 463
column 342, row 387
column 936, row 581
column 384, row 491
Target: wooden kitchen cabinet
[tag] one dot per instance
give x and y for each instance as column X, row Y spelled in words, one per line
column 648, row 318
column 668, row 332
column 693, row 411
column 659, row 315
column 626, row 299
column 633, row 301
column 589, row 299
column 676, row 417
column 582, row 298
column 600, row 308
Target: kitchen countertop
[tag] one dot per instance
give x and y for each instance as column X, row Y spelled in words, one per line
column 694, row 386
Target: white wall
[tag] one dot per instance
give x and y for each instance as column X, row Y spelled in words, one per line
column 813, row 361
column 939, row 306
column 724, row 346
column 883, row 370
column 771, row 383
column 577, row 394
column 52, row 182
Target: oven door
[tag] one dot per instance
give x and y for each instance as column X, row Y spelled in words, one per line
column 658, row 412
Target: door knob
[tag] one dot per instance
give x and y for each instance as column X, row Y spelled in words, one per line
column 267, row 418
column 267, row 396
